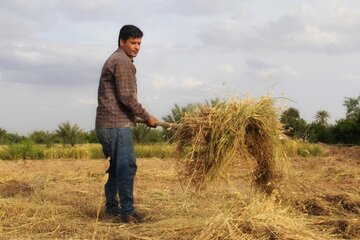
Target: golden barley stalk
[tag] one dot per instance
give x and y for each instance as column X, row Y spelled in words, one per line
column 232, row 130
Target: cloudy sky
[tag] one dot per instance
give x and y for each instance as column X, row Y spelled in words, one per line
column 52, row 51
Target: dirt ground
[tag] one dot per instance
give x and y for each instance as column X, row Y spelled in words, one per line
column 63, row 199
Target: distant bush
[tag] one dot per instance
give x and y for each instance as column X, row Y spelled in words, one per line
column 310, row 150
column 43, row 137
column 25, row 150
column 347, row 131
column 91, row 137
column 320, row 133
column 303, row 149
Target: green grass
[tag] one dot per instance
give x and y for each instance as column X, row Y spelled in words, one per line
column 303, row 149
column 80, row 151
column 156, row 151
column 28, row 150
column 313, row 150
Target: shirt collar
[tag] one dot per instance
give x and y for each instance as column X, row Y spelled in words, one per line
column 123, row 52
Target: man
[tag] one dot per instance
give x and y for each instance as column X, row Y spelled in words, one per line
column 117, row 110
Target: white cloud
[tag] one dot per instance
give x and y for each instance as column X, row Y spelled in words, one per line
column 345, row 14
column 195, row 7
column 190, row 48
column 95, row 10
column 90, row 102
column 260, row 70
column 351, row 78
column 50, row 64
column 318, row 28
column 313, row 38
column 227, row 68
column 160, row 82
column 190, row 82
column 289, row 71
column 152, row 99
column 116, row 10
column 238, row 34
column 308, row 11
column 36, row 12
column 23, row 28
column 277, row 73
column 36, row 107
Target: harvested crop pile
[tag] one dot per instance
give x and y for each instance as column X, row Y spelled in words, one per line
column 233, row 130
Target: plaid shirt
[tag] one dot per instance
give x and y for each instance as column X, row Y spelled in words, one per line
column 117, row 94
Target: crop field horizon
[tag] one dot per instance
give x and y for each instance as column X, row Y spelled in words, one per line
column 63, row 199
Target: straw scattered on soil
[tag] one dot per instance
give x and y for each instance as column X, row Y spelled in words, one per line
column 60, row 199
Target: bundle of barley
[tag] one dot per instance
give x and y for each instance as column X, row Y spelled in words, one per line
column 232, row 130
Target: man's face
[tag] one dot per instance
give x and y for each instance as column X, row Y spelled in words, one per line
column 131, row 46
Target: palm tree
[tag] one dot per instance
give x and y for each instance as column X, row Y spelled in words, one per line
column 69, row 134
column 322, row 117
column 177, row 113
column 352, row 108
column 141, row 133
column 43, row 137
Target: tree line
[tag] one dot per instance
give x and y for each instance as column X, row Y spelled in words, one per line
column 345, row 130
column 72, row 134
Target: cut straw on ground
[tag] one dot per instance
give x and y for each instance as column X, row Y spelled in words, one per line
column 58, row 199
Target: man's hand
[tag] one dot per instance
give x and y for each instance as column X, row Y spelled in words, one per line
column 152, row 122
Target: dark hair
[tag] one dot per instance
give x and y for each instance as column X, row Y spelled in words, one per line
column 129, row 31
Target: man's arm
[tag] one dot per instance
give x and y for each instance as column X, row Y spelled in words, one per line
column 125, row 82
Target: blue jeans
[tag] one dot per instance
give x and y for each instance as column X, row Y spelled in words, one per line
column 118, row 144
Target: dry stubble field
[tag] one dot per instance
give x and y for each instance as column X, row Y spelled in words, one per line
column 59, row 199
